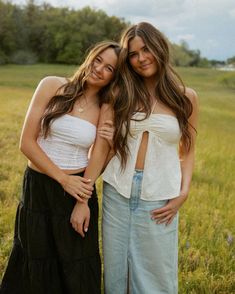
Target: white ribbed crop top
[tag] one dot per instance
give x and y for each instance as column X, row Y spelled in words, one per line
column 162, row 172
column 69, row 141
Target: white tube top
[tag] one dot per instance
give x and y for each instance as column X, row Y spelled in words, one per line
column 162, row 172
column 69, row 141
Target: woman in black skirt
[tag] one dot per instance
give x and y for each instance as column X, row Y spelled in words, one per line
column 49, row 256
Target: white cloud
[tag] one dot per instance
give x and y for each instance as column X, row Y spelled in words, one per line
column 212, row 43
column 232, row 13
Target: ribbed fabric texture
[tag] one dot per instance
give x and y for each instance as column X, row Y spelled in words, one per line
column 69, row 141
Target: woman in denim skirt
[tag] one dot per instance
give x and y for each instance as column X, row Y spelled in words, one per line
column 148, row 178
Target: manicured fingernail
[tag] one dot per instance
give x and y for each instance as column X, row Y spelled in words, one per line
column 86, row 229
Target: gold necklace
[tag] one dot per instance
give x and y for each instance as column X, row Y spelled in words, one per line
column 81, row 108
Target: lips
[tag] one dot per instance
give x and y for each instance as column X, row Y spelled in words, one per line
column 145, row 66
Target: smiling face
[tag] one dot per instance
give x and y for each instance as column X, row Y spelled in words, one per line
column 103, row 68
column 141, row 59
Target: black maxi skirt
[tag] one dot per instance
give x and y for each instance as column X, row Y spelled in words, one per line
column 48, row 255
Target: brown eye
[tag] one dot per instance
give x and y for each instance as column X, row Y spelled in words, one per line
column 110, row 69
column 97, row 60
column 132, row 55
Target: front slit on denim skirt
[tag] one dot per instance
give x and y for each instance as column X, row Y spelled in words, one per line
column 134, row 245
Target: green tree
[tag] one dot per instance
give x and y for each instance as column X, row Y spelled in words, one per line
column 180, row 56
column 231, row 60
column 8, row 28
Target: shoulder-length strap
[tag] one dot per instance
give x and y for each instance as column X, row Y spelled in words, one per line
column 154, row 106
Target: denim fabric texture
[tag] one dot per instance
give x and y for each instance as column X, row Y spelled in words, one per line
column 138, row 253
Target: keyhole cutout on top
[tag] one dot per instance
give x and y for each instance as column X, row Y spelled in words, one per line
column 142, row 151
column 143, row 146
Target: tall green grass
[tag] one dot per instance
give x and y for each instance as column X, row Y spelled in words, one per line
column 207, row 230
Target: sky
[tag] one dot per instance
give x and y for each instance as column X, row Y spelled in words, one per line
column 207, row 25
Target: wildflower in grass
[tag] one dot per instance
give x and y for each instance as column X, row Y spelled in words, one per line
column 230, row 239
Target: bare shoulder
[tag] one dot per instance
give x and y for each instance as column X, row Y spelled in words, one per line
column 46, row 89
column 54, row 80
column 192, row 95
column 52, row 83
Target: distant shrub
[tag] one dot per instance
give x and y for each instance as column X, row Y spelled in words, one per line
column 228, row 80
column 23, row 57
column 3, row 58
column 204, row 62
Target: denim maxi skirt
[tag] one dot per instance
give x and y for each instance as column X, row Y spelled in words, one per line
column 138, row 253
column 48, row 255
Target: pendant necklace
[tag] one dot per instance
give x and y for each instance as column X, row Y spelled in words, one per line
column 81, row 108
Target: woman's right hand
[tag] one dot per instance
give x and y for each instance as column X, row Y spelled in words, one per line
column 80, row 218
column 77, row 186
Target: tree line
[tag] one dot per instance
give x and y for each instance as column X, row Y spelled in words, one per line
column 42, row 33
column 46, row 34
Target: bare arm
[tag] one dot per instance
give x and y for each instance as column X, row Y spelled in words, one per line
column 106, row 131
column 168, row 212
column 101, row 148
column 187, row 158
column 80, row 216
column 108, row 158
column 28, row 142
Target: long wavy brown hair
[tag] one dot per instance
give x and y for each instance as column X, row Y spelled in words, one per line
column 131, row 92
column 70, row 92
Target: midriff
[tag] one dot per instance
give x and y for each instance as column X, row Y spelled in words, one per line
column 142, row 152
column 67, row 171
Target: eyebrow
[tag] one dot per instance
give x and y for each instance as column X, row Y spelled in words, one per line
column 136, row 51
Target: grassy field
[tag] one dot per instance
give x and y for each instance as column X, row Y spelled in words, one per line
column 207, row 230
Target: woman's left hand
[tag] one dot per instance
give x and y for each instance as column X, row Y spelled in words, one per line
column 167, row 213
column 106, row 131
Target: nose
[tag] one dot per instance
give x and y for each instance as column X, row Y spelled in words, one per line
column 98, row 68
column 142, row 57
